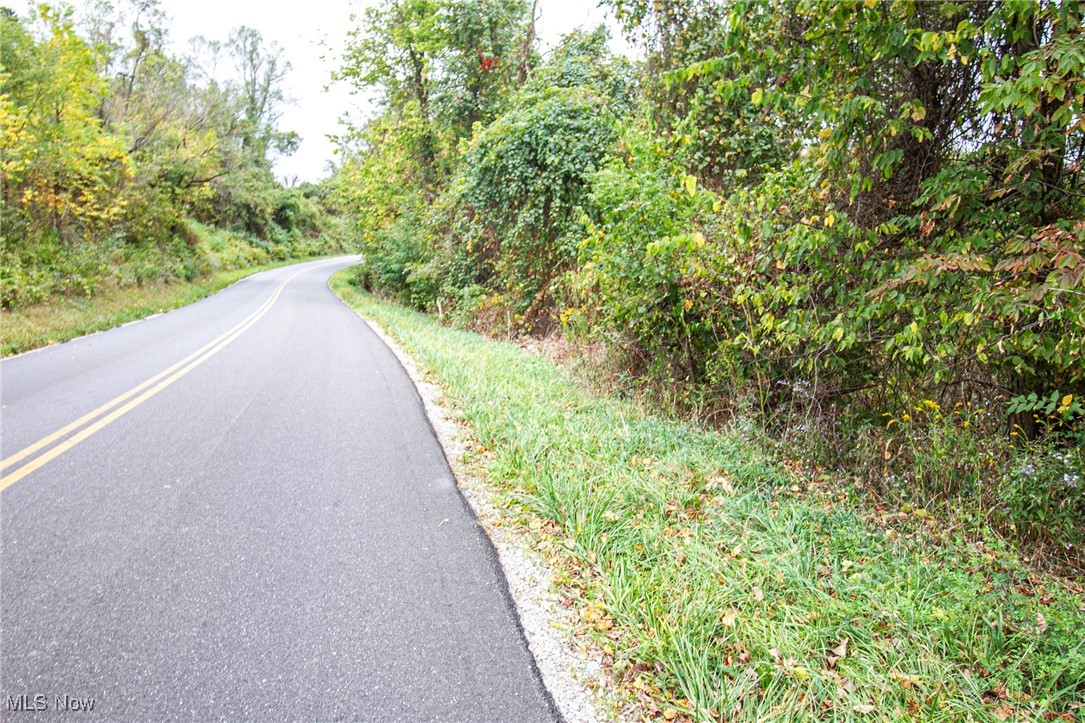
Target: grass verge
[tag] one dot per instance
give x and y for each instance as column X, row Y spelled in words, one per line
column 65, row 318
column 721, row 586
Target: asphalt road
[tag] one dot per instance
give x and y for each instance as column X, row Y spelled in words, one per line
column 267, row 531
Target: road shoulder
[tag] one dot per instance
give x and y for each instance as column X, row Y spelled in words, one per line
column 569, row 672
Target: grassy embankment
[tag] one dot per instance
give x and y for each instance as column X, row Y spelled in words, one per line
column 720, row 585
column 132, row 288
column 68, row 317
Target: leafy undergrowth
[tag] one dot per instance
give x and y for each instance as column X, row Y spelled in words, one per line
column 67, row 317
column 720, row 586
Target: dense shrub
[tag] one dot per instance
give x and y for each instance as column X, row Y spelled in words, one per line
column 523, row 180
column 918, row 246
column 831, row 215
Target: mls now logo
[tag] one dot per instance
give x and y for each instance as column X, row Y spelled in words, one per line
column 40, row 702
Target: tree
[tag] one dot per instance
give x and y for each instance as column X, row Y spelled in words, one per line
column 262, row 70
column 438, row 67
column 61, row 169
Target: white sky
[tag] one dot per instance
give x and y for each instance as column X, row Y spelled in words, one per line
column 311, row 31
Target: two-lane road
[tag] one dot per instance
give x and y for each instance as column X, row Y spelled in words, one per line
column 238, row 510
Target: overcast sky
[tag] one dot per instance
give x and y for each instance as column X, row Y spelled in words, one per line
column 311, row 32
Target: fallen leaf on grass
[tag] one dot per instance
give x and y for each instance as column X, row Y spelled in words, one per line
column 904, row 680
column 722, row 482
column 729, row 618
column 838, row 653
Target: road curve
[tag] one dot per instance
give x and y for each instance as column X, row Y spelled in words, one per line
column 245, row 515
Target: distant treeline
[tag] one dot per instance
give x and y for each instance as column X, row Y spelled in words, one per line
column 110, row 144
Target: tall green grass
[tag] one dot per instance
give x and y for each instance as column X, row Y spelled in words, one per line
column 720, row 585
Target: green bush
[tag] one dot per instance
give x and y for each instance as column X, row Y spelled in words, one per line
column 1041, row 497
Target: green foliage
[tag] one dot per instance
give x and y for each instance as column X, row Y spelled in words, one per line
column 722, row 585
column 440, row 67
column 1041, row 497
column 399, row 264
column 520, row 186
column 1063, row 409
column 913, row 232
column 482, row 61
column 937, row 165
column 61, row 169
column 378, row 181
column 466, row 181
column 823, row 212
column 636, row 256
column 109, row 145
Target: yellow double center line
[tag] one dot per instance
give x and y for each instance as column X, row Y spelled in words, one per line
column 115, row 408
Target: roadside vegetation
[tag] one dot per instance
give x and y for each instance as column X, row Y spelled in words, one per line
column 720, row 584
column 856, row 225
column 125, row 167
column 67, row 317
column 853, row 230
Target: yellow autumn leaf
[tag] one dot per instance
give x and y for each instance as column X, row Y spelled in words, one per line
column 757, row 96
column 829, row 220
column 1067, row 399
column 691, row 185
